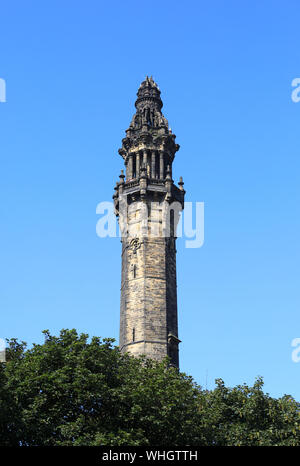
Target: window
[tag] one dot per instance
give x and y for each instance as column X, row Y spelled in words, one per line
column 133, row 166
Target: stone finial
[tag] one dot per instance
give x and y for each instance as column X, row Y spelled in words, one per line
column 122, row 176
column 116, row 188
column 180, row 183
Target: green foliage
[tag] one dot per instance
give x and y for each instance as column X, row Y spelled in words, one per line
column 247, row 416
column 72, row 391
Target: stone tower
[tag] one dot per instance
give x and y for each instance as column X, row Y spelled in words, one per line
column 148, row 205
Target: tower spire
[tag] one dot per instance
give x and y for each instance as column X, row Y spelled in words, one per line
column 148, row 315
column 148, row 132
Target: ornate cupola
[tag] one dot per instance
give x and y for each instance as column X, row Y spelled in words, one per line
column 145, row 201
column 149, row 140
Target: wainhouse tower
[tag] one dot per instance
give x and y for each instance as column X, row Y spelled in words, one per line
column 148, row 203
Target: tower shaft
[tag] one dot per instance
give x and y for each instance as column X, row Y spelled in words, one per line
column 148, row 205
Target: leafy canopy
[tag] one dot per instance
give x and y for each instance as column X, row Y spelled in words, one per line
column 72, row 391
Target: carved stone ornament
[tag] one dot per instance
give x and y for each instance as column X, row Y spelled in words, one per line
column 134, row 245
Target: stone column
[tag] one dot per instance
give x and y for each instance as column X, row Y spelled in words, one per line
column 130, row 167
column 153, row 164
column 146, row 164
column 161, row 165
column 137, row 165
column 145, row 159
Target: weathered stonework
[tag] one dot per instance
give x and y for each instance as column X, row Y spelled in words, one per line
column 148, row 204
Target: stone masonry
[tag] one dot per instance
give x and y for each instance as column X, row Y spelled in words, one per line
column 148, row 205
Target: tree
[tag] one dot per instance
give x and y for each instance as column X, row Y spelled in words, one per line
column 247, row 416
column 69, row 391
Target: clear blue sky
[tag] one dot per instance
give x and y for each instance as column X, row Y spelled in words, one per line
column 225, row 68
